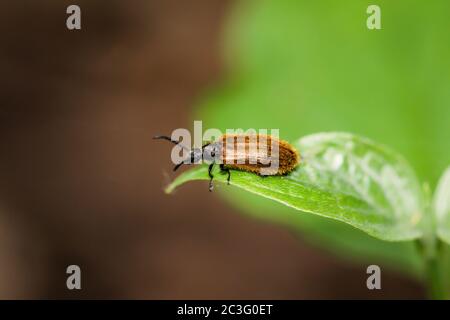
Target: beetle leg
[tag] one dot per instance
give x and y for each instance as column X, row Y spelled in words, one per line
column 227, row 170
column 210, row 176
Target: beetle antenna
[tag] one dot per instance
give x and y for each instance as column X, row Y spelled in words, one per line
column 173, row 141
column 177, row 166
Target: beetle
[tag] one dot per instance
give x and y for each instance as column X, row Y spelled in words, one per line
column 264, row 155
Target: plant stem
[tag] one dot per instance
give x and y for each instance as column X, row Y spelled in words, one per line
column 435, row 278
column 433, row 254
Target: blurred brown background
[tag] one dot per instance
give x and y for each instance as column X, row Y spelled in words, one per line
column 81, row 180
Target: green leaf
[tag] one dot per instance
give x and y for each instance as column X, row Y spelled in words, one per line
column 441, row 205
column 342, row 177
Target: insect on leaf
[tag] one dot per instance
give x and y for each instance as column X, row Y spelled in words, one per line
column 441, row 205
column 342, row 177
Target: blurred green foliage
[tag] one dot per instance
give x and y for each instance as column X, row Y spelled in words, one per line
column 309, row 66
